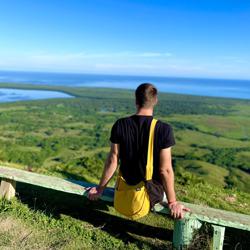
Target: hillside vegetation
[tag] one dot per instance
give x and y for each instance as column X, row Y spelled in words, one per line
column 62, row 135
column 69, row 138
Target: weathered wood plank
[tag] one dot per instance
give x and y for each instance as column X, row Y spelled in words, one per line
column 7, row 189
column 51, row 182
column 218, row 237
column 212, row 216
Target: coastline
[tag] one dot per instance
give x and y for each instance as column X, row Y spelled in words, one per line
column 118, row 92
column 195, row 86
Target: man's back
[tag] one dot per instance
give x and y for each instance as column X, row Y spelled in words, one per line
column 129, row 137
column 132, row 134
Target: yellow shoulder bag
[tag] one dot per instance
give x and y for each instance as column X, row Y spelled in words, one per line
column 133, row 200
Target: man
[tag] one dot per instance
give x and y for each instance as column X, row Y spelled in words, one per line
column 129, row 142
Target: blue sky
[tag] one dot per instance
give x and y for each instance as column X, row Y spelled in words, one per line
column 202, row 38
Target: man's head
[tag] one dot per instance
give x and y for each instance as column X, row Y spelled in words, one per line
column 146, row 96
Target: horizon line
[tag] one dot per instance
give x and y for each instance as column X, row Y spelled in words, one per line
column 124, row 74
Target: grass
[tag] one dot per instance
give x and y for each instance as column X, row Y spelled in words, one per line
column 211, row 173
column 206, row 140
column 70, row 222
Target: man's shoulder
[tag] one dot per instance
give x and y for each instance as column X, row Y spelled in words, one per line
column 123, row 120
column 165, row 135
column 160, row 124
column 163, row 125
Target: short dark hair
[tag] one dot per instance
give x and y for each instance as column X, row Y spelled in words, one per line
column 146, row 95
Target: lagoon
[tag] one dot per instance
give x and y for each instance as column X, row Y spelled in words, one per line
column 13, row 95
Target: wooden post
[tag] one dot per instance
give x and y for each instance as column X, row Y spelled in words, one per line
column 218, row 237
column 7, row 188
column 183, row 232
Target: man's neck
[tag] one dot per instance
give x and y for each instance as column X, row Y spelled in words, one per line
column 144, row 111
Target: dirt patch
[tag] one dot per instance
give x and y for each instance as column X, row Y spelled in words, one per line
column 7, row 224
column 13, row 234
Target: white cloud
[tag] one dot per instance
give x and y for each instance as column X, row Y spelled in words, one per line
column 125, row 62
column 118, row 61
column 111, row 66
column 235, row 59
column 155, row 54
column 84, row 55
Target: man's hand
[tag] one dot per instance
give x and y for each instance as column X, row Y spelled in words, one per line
column 95, row 193
column 177, row 210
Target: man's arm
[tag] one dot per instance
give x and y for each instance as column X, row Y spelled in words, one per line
column 167, row 176
column 108, row 171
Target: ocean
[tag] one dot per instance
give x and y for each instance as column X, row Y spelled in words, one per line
column 194, row 86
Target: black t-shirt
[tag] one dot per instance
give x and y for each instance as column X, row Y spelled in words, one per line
column 132, row 134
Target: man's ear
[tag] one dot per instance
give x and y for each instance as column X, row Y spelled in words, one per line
column 136, row 104
column 156, row 100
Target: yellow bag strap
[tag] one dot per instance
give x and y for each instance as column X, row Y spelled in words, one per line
column 149, row 167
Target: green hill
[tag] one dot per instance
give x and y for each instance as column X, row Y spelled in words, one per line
column 51, row 135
